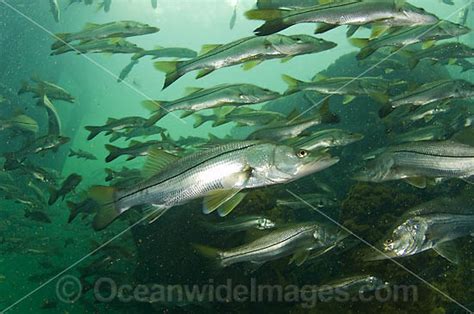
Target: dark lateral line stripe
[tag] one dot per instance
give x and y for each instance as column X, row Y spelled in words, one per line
column 207, row 93
column 180, row 173
column 317, row 9
column 213, row 53
column 268, row 246
column 432, row 155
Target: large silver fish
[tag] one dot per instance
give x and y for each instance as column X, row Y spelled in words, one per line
column 416, row 161
column 355, row 13
column 328, row 138
column 430, row 225
column 219, row 174
column 298, row 239
column 217, row 96
column 250, row 50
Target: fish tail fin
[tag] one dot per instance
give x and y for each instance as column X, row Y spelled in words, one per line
column 61, row 40
column 53, row 196
column 73, row 211
column 327, row 116
column 108, row 211
column 291, row 82
column 94, row 131
column 24, row 87
column 114, row 152
column 271, row 27
column 210, row 253
column 264, row 14
column 156, row 107
column 71, row 153
column 171, row 69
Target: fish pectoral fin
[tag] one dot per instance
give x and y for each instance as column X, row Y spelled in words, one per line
column 348, row 98
column 299, row 257
column 250, row 64
column 418, row 182
column 469, row 180
column 378, row 30
column 156, row 161
column 203, row 73
column 324, row 27
column 428, row 44
column 186, row 113
column 224, row 201
column 286, row 59
column 253, row 267
column 448, row 250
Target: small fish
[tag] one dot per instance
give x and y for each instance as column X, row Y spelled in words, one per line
column 252, row 117
column 349, row 87
column 414, row 162
column 91, row 31
column 161, row 52
column 105, row 4
column 54, row 123
column 82, row 154
column 431, row 92
column 38, row 216
column 123, row 173
column 233, row 18
column 69, row 185
column 298, row 240
column 426, row 34
column 52, row 91
column 136, row 132
column 352, row 285
column 328, row 138
column 289, row 130
column 317, row 200
column 431, row 225
column 126, row 70
column 217, row 96
column 107, row 45
column 134, row 150
column 219, row 174
column 242, row 224
column 114, row 125
column 435, row 132
column 19, row 122
column 55, row 10
column 451, row 51
column 250, row 50
column 354, row 13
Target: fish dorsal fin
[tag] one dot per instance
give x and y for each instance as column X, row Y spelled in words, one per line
column 158, row 47
column 224, row 201
column 207, row 48
column 419, row 182
column 319, row 77
column 110, row 120
column 191, row 90
column 379, row 29
column 157, row 160
column 89, row 26
column 399, row 4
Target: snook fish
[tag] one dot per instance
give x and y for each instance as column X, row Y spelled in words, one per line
column 219, row 174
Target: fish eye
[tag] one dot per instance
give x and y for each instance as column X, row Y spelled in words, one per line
column 388, row 241
column 302, row 153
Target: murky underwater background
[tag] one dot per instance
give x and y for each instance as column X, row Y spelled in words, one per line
column 36, row 254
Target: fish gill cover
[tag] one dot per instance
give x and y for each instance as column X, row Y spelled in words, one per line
column 289, row 156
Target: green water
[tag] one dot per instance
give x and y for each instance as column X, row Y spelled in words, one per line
column 34, row 255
